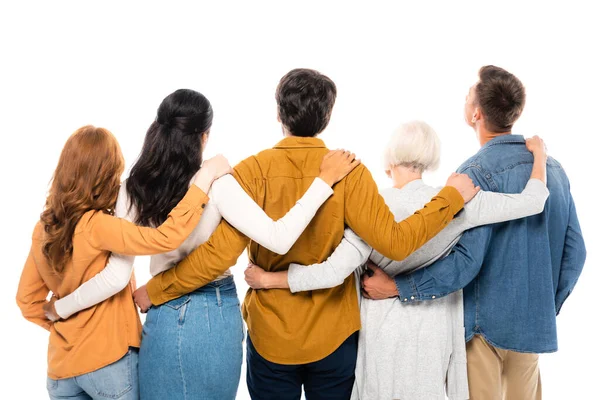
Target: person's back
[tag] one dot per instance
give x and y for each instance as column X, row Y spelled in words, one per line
column 523, row 260
column 517, row 274
column 95, row 350
column 396, row 339
column 308, row 339
column 288, row 170
column 115, row 320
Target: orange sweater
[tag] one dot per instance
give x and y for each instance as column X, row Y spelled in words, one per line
column 299, row 328
column 102, row 334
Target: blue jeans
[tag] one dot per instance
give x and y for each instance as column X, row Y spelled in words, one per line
column 331, row 378
column 192, row 346
column 118, row 380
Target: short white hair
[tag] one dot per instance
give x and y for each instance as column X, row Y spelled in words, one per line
column 414, row 144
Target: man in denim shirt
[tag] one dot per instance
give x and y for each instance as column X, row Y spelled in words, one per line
column 516, row 275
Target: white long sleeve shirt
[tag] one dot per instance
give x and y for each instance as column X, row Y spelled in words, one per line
column 227, row 200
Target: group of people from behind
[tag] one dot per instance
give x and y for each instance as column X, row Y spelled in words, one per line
column 414, row 292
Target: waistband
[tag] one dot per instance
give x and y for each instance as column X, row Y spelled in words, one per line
column 226, row 283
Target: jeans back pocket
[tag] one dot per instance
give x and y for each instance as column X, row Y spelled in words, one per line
column 51, row 384
column 116, row 379
column 176, row 304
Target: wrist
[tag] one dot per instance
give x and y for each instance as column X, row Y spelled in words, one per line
column 327, row 179
column 205, row 180
column 265, row 281
column 393, row 291
column 275, row 280
column 54, row 312
column 50, row 311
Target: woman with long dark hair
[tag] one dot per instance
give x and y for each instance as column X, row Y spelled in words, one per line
column 95, row 352
column 192, row 346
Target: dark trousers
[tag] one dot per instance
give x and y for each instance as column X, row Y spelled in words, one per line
column 331, row 378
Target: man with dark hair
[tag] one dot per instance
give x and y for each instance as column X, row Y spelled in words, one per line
column 516, row 275
column 305, row 99
column 306, row 339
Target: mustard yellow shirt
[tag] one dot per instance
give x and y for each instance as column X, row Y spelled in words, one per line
column 102, row 334
column 299, row 328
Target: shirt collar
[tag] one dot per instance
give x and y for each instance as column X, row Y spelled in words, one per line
column 290, row 142
column 503, row 140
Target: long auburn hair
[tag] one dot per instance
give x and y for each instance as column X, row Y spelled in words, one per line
column 171, row 155
column 87, row 177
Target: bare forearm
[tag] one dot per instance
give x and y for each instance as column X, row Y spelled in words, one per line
column 539, row 166
column 276, row 280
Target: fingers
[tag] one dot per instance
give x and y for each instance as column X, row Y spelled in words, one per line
column 351, row 160
column 343, row 155
column 330, row 154
column 143, row 308
column 363, row 281
column 249, row 275
column 355, row 163
column 535, row 142
column 365, row 294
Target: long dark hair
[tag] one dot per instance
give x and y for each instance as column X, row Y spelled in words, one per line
column 171, row 155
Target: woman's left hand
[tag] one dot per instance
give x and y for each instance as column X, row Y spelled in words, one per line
column 142, row 299
column 255, row 276
column 50, row 310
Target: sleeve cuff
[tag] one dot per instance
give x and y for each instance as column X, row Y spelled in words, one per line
column 195, row 198
column 455, row 200
column 293, row 282
column 408, row 291
column 62, row 308
column 406, row 288
column 155, row 291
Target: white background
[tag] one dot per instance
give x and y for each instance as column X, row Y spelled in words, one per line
column 67, row 64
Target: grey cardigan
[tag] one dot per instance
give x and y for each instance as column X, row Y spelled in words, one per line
column 417, row 350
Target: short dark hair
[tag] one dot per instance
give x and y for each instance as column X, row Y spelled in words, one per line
column 305, row 99
column 501, row 97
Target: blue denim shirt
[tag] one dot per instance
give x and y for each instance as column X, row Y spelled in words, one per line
column 516, row 275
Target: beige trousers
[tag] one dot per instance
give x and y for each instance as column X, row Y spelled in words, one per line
column 496, row 374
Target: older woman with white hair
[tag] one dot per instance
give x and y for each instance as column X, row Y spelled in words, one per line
column 412, row 351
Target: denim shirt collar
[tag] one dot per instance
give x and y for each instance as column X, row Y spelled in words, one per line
column 503, row 140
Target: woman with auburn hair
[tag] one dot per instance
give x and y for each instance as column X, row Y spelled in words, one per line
column 94, row 354
column 411, row 351
column 192, row 346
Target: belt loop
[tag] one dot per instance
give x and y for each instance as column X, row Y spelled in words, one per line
column 218, row 290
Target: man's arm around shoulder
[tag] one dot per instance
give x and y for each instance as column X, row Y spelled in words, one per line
column 459, row 268
column 367, row 214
